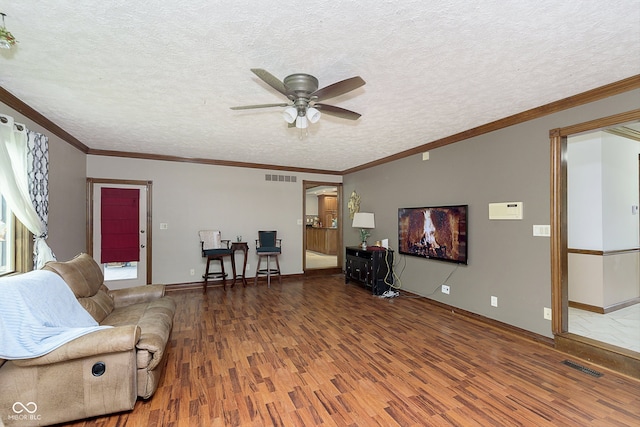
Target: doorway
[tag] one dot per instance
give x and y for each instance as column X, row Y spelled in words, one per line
column 613, row 356
column 322, row 221
column 603, row 258
column 124, row 273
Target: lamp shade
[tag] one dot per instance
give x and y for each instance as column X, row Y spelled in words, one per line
column 290, row 114
column 301, row 122
column 313, row 114
column 363, row 220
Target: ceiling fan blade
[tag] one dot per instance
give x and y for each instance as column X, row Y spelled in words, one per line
column 248, row 107
column 271, row 80
column 339, row 88
column 343, row 113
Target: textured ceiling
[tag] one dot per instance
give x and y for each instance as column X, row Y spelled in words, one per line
column 159, row 77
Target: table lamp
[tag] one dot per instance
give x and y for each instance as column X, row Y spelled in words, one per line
column 364, row 221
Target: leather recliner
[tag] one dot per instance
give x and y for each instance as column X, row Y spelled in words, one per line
column 99, row 373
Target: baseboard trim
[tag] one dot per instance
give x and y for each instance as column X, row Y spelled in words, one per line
column 586, row 307
column 523, row 333
column 313, row 272
column 609, row 356
column 189, row 286
column 604, row 310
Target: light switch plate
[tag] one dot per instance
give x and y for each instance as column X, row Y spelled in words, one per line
column 542, row 230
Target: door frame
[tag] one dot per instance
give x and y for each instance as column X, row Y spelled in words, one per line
column 625, row 361
column 305, row 186
column 148, row 231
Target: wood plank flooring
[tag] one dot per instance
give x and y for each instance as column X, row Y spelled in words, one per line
column 317, row 352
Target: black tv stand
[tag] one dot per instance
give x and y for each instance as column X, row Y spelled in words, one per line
column 372, row 267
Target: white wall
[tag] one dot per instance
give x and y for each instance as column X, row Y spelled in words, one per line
column 602, row 176
column 584, row 201
column 191, row 197
column 312, row 204
column 620, row 192
column 586, row 279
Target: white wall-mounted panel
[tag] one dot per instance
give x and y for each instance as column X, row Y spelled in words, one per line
column 505, row 210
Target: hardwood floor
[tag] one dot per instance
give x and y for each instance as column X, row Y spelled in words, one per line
column 315, row 352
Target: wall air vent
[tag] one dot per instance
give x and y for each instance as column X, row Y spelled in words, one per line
column 280, row 178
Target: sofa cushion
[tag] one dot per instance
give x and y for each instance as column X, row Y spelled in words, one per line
column 99, row 305
column 155, row 319
column 82, row 274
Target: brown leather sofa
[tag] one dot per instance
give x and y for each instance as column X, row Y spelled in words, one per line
column 99, row 373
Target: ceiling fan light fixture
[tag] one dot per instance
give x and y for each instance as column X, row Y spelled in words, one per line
column 290, row 114
column 301, row 122
column 6, row 38
column 313, row 114
column 304, row 96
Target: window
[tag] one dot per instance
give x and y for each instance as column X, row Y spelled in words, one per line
column 7, row 239
column 16, row 243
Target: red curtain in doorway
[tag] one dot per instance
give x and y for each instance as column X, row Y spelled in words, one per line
column 119, row 224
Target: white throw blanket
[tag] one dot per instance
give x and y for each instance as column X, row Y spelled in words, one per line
column 39, row 313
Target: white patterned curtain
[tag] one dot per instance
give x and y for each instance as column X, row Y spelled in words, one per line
column 38, row 179
column 24, row 181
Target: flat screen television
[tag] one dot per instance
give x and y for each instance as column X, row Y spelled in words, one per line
column 438, row 232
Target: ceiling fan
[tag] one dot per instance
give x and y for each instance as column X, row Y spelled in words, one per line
column 305, row 98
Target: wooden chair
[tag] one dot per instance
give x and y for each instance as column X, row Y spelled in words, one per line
column 214, row 248
column 267, row 246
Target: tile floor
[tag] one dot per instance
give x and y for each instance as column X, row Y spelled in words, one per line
column 620, row 328
column 318, row 260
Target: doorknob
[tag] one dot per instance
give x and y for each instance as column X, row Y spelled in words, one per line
column 142, row 231
column 142, row 246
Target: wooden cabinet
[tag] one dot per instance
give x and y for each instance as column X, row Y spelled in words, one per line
column 371, row 267
column 327, row 209
column 322, row 240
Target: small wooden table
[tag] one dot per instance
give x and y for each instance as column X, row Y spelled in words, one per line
column 244, row 247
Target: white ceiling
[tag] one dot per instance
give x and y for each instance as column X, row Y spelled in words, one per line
column 159, row 77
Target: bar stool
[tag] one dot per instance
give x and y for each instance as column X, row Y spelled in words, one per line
column 214, row 248
column 267, row 246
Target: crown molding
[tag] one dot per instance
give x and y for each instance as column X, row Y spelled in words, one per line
column 13, row 102
column 596, row 94
column 230, row 163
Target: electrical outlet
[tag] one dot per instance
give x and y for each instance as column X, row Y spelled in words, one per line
column 446, row 289
column 494, row 301
column 547, row 313
column 164, row 226
column 192, row 272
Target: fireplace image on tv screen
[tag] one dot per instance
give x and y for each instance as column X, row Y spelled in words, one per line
column 434, row 232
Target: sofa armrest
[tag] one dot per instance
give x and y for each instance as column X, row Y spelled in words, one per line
column 138, row 294
column 103, row 341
